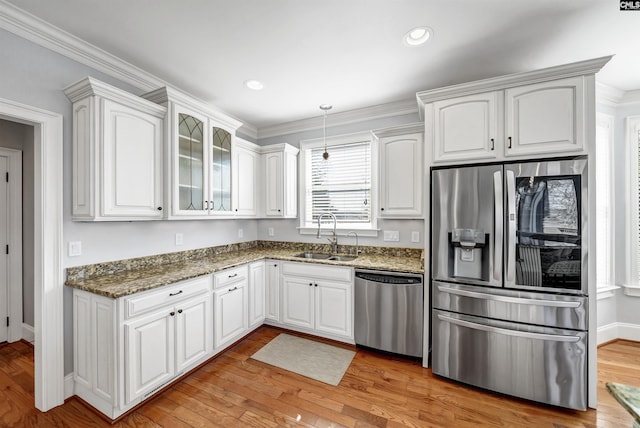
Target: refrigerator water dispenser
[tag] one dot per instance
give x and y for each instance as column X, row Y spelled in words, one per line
column 467, row 252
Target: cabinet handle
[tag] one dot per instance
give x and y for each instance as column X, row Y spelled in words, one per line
column 509, row 142
column 205, row 204
column 311, row 284
column 381, row 209
column 179, row 311
column 493, row 146
column 233, row 276
column 275, row 265
column 233, row 289
column 175, row 294
column 172, row 313
column 159, row 208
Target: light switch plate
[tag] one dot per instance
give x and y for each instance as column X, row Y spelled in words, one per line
column 271, row 231
column 415, row 236
column 75, row 248
column 240, row 233
column 391, row 235
column 179, row 239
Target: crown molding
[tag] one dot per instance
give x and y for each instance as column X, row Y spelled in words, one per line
column 40, row 32
column 410, row 128
column 614, row 97
column 342, row 118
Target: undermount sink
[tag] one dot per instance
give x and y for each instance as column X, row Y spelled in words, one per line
column 316, row 256
column 343, row 258
column 324, row 256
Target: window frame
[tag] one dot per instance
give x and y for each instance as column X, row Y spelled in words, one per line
column 632, row 140
column 306, row 146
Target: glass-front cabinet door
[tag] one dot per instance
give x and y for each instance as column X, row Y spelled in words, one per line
column 191, row 163
column 220, row 171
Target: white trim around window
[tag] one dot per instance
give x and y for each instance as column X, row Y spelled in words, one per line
column 632, row 139
column 306, row 146
column 605, row 233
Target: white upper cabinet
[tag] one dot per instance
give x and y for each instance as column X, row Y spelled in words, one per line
column 465, row 127
column 545, row 118
column 280, row 180
column 199, row 154
column 543, row 113
column 245, row 169
column 401, row 171
column 117, row 154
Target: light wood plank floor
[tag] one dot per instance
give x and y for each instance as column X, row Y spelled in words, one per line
column 377, row 391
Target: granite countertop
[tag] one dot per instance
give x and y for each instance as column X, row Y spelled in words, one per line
column 119, row 284
column 628, row 397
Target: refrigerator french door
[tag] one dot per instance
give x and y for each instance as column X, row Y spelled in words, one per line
column 508, row 271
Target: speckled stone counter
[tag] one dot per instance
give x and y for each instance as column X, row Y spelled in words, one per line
column 629, row 397
column 126, row 277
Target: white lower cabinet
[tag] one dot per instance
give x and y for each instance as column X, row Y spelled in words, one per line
column 230, row 302
column 318, row 299
column 128, row 348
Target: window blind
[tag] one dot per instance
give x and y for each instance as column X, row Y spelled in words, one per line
column 341, row 184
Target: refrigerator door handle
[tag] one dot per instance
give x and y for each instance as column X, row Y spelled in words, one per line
column 498, row 224
column 511, row 228
column 509, row 332
column 509, row 299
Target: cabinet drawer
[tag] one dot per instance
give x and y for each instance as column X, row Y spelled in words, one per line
column 150, row 300
column 230, row 276
column 318, row 271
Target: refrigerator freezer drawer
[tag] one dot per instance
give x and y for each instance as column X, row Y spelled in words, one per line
column 536, row 363
column 551, row 310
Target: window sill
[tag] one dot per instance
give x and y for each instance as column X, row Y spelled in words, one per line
column 631, row 290
column 326, row 231
column 606, row 291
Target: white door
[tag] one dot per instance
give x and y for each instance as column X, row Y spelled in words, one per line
column 193, row 331
column 333, row 308
column 256, row 293
column 298, row 297
column 230, row 309
column 4, row 239
column 149, row 352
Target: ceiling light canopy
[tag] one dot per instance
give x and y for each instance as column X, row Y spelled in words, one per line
column 255, row 85
column 418, row 36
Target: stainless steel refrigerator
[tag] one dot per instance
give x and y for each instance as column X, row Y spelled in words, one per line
column 509, row 278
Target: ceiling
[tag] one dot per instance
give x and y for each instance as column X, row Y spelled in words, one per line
column 348, row 53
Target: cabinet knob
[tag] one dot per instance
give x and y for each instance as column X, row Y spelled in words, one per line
column 381, row 209
column 315, row 285
column 311, row 284
column 236, row 210
column 159, row 208
column 179, row 311
column 172, row 313
column 279, row 210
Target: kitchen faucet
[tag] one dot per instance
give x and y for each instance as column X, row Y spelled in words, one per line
column 334, row 240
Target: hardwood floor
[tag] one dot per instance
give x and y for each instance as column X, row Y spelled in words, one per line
column 376, row 391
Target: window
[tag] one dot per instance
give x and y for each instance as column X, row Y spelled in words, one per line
column 633, row 224
column 342, row 184
column 604, row 231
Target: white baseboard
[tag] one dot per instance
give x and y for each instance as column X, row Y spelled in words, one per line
column 618, row 330
column 68, row 386
column 28, row 334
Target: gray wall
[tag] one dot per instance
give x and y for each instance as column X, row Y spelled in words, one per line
column 20, row 137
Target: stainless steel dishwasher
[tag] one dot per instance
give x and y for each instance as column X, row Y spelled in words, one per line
column 389, row 311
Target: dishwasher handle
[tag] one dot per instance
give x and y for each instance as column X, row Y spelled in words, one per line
column 388, row 279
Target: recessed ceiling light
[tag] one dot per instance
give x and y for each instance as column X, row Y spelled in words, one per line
column 253, row 84
column 418, row 36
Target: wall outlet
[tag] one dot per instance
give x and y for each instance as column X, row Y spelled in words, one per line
column 415, row 236
column 271, row 231
column 75, row 248
column 179, row 239
column 240, row 233
column 391, row 235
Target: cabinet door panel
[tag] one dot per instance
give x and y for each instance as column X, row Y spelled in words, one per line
column 298, row 297
column 545, row 117
column 193, row 331
column 256, row 293
column 464, row 127
column 132, row 148
column 272, row 310
column 401, row 176
column 190, row 162
column 230, row 313
column 334, row 308
column 273, row 188
column 149, row 353
column 245, row 170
